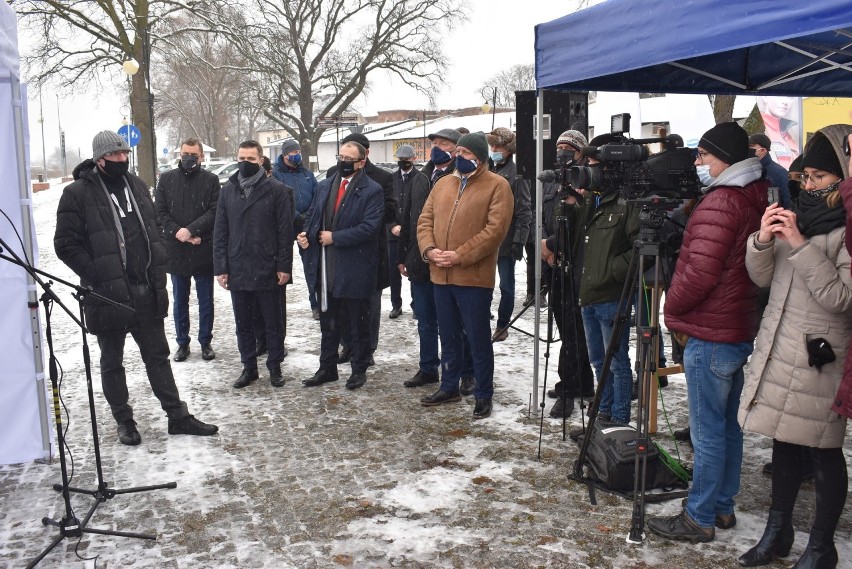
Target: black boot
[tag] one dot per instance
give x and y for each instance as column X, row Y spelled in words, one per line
column 563, row 407
column 820, row 552
column 776, row 541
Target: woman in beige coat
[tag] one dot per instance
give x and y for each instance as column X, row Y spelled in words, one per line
column 792, row 377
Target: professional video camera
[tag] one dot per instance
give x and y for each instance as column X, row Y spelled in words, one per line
column 561, row 175
column 626, row 167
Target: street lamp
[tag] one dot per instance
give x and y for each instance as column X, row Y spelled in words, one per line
column 130, row 67
column 493, row 106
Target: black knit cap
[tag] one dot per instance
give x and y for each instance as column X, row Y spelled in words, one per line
column 356, row 137
column 820, row 154
column 727, row 141
column 476, row 143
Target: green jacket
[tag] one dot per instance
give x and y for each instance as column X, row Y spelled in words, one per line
column 608, row 233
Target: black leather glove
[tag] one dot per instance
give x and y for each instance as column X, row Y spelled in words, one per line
column 517, row 251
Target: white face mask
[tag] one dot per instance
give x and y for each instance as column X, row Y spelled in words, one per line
column 704, row 174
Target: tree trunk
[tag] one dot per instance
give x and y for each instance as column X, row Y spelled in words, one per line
column 723, row 108
column 145, row 160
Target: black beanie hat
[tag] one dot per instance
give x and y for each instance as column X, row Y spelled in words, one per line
column 820, row 154
column 727, row 141
column 356, row 137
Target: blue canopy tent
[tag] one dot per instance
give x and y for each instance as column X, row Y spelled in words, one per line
column 757, row 47
column 769, row 47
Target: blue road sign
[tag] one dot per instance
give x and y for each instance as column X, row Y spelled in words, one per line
column 166, row 151
column 131, row 134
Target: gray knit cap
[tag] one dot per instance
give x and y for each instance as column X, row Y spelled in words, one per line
column 289, row 146
column 105, row 142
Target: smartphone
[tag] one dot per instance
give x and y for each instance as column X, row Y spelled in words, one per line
column 773, row 196
column 846, row 146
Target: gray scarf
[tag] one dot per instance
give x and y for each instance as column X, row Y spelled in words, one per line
column 248, row 184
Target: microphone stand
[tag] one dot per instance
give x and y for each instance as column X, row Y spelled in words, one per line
column 69, row 525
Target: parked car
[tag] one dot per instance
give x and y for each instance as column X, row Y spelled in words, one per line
column 223, row 170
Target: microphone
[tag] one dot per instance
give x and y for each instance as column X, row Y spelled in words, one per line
column 547, row 176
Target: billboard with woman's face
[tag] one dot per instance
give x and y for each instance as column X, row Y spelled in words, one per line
column 782, row 121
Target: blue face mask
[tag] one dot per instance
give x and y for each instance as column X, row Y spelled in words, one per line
column 704, row 175
column 496, row 157
column 465, row 166
column 294, row 158
column 439, row 156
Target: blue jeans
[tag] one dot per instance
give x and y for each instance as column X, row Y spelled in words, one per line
column 465, row 309
column 598, row 320
column 423, row 296
column 714, row 382
column 180, row 307
column 506, row 270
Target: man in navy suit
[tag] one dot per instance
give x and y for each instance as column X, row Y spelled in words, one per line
column 343, row 225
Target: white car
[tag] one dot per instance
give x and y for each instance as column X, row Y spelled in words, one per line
column 223, row 170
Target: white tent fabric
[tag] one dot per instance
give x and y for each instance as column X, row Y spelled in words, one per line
column 25, row 433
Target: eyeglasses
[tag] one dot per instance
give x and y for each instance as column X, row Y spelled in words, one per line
column 815, row 179
column 349, row 159
column 700, row 155
column 118, row 153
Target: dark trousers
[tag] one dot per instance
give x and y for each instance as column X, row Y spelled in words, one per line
column 374, row 322
column 831, row 481
column 260, row 325
column 506, row 270
column 310, row 280
column 269, row 302
column 575, row 371
column 395, row 276
column 423, row 296
column 150, row 336
column 465, row 310
column 180, row 307
column 352, row 314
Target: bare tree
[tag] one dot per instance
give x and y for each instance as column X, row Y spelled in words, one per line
column 517, row 78
column 78, row 40
column 312, row 58
column 198, row 95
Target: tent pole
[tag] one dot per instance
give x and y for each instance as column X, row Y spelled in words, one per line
column 539, row 165
column 27, row 235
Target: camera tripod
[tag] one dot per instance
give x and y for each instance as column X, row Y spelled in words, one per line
column 649, row 245
column 69, row 525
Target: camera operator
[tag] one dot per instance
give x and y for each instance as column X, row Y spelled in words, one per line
column 713, row 302
column 572, row 353
column 607, row 227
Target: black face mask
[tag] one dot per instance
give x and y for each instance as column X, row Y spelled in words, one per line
column 115, row 169
column 248, row 169
column 404, row 165
column 345, row 169
column 189, row 163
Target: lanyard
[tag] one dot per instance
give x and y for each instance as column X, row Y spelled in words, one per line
column 118, row 205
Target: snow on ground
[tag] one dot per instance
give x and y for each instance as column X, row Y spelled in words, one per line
column 325, row 477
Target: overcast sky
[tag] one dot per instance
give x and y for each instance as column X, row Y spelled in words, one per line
column 498, row 34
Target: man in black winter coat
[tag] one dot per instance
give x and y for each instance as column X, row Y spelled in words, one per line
column 502, row 150
column 107, row 233
column 185, row 202
column 410, row 263
column 253, row 256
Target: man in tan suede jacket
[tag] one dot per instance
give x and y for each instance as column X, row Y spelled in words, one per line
column 459, row 232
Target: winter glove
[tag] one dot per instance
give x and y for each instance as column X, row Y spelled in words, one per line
column 517, row 251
